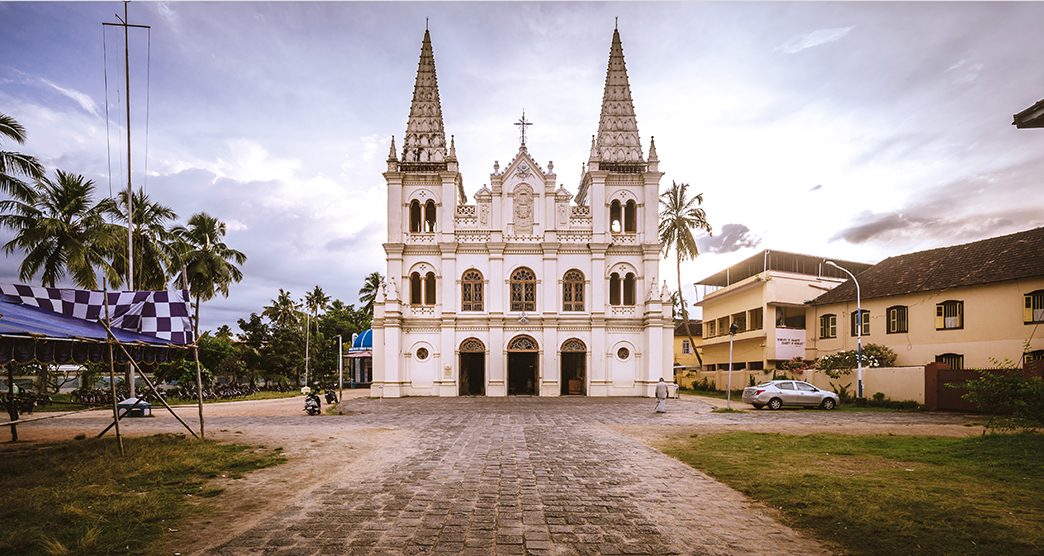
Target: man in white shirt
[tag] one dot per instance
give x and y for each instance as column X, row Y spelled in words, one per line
column 661, row 396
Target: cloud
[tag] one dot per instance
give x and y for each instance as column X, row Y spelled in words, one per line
column 963, row 209
column 815, row 38
column 964, row 72
column 81, row 98
column 816, row 187
column 733, row 237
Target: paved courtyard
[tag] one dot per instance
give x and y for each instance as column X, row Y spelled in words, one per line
column 491, row 476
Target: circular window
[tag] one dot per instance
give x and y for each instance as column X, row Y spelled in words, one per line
column 422, row 353
column 623, row 353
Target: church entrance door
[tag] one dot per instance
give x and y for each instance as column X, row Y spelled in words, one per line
column 574, row 363
column 522, row 363
column 472, row 367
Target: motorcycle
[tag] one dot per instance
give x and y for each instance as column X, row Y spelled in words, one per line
column 331, row 396
column 312, row 404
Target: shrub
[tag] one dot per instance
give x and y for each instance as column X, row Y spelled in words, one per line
column 1010, row 393
column 880, row 400
column 842, row 362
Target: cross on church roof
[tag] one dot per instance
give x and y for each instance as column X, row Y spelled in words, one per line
column 522, row 123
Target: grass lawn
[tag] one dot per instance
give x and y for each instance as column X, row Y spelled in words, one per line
column 888, row 494
column 80, row 497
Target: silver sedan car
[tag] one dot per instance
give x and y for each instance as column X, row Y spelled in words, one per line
column 778, row 393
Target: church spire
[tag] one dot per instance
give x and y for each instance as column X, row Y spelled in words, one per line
column 425, row 140
column 618, row 140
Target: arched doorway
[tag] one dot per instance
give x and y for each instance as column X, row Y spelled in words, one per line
column 574, row 367
column 523, row 360
column 472, row 367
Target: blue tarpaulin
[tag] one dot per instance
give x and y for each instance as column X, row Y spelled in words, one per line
column 30, row 334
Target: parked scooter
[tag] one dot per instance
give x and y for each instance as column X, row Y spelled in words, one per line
column 312, row 404
column 331, row 396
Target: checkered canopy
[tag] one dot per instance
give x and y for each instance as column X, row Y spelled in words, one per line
column 161, row 314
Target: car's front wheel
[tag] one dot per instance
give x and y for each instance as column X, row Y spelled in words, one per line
column 829, row 403
column 775, row 403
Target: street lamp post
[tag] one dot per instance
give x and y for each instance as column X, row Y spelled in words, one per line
column 340, row 369
column 859, row 332
column 728, row 395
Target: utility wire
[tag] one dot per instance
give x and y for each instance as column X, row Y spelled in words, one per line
column 105, row 71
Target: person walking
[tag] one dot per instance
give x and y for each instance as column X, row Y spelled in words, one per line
column 661, row 396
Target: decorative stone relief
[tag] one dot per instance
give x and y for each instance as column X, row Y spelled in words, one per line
column 563, row 215
column 484, row 214
column 523, row 171
column 523, row 209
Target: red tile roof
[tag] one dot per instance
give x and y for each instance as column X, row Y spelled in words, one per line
column 1010, row 257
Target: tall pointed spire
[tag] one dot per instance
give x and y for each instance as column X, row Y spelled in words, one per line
column 618, row 140
column 425, row 140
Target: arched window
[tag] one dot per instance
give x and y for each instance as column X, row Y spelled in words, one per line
column 614, row 289
column 615, row 220
column 628, row 289
column 523, row 290
column 471, row 291
column 415, row 216
column 573, row 291
column 429, row 288
column 630, row 216
column 415, row 289
column 429, row 216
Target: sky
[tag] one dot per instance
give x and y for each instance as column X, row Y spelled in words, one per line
column 855, row 131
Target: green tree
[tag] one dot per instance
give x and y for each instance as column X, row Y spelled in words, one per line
column 62, row 231
column 14, row 165
column 208, row 265
column 368, row 293
column 283, row 311
column 152, row 239
column 254, row 338
column 680, row 217
column 315, row 301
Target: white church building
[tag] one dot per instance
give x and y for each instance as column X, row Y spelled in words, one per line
column 527, row 289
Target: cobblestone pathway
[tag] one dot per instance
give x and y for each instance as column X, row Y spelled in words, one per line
column 521, row 476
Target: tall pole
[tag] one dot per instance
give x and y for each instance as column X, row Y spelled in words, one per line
column 728, row 394
column 340, row 369
column 308, row 329
column 859, row 332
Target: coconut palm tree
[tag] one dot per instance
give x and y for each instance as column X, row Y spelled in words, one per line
column 14, row 164
column 208, row 265
column 315, row 301
column 368, row 293
column 284, row 311
column 679, row 218
column 152, row 239
column 62, row 232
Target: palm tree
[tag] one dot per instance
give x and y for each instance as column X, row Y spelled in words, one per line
column 14, row 164
column 315, row 301
column 679, row 217
column 284, row 311
column 62, row 231
column 208, row 265
column 152, row 239
column 368, row 293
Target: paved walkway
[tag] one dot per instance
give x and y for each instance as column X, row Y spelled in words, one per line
column 522, row 476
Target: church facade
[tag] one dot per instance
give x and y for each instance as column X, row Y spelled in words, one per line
column 527, row 289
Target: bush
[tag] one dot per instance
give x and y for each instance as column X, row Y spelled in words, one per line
column 842, row 362
column 1010, row 393
column 879, row 400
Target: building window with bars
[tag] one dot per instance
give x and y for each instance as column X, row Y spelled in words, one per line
column 949, row 315
column 897, row 322
column 865, row 329
column 1033, row 311
column 828, row 326
column 686, row 347
column 523, row 290
column 471, row 291
column 954, row 361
